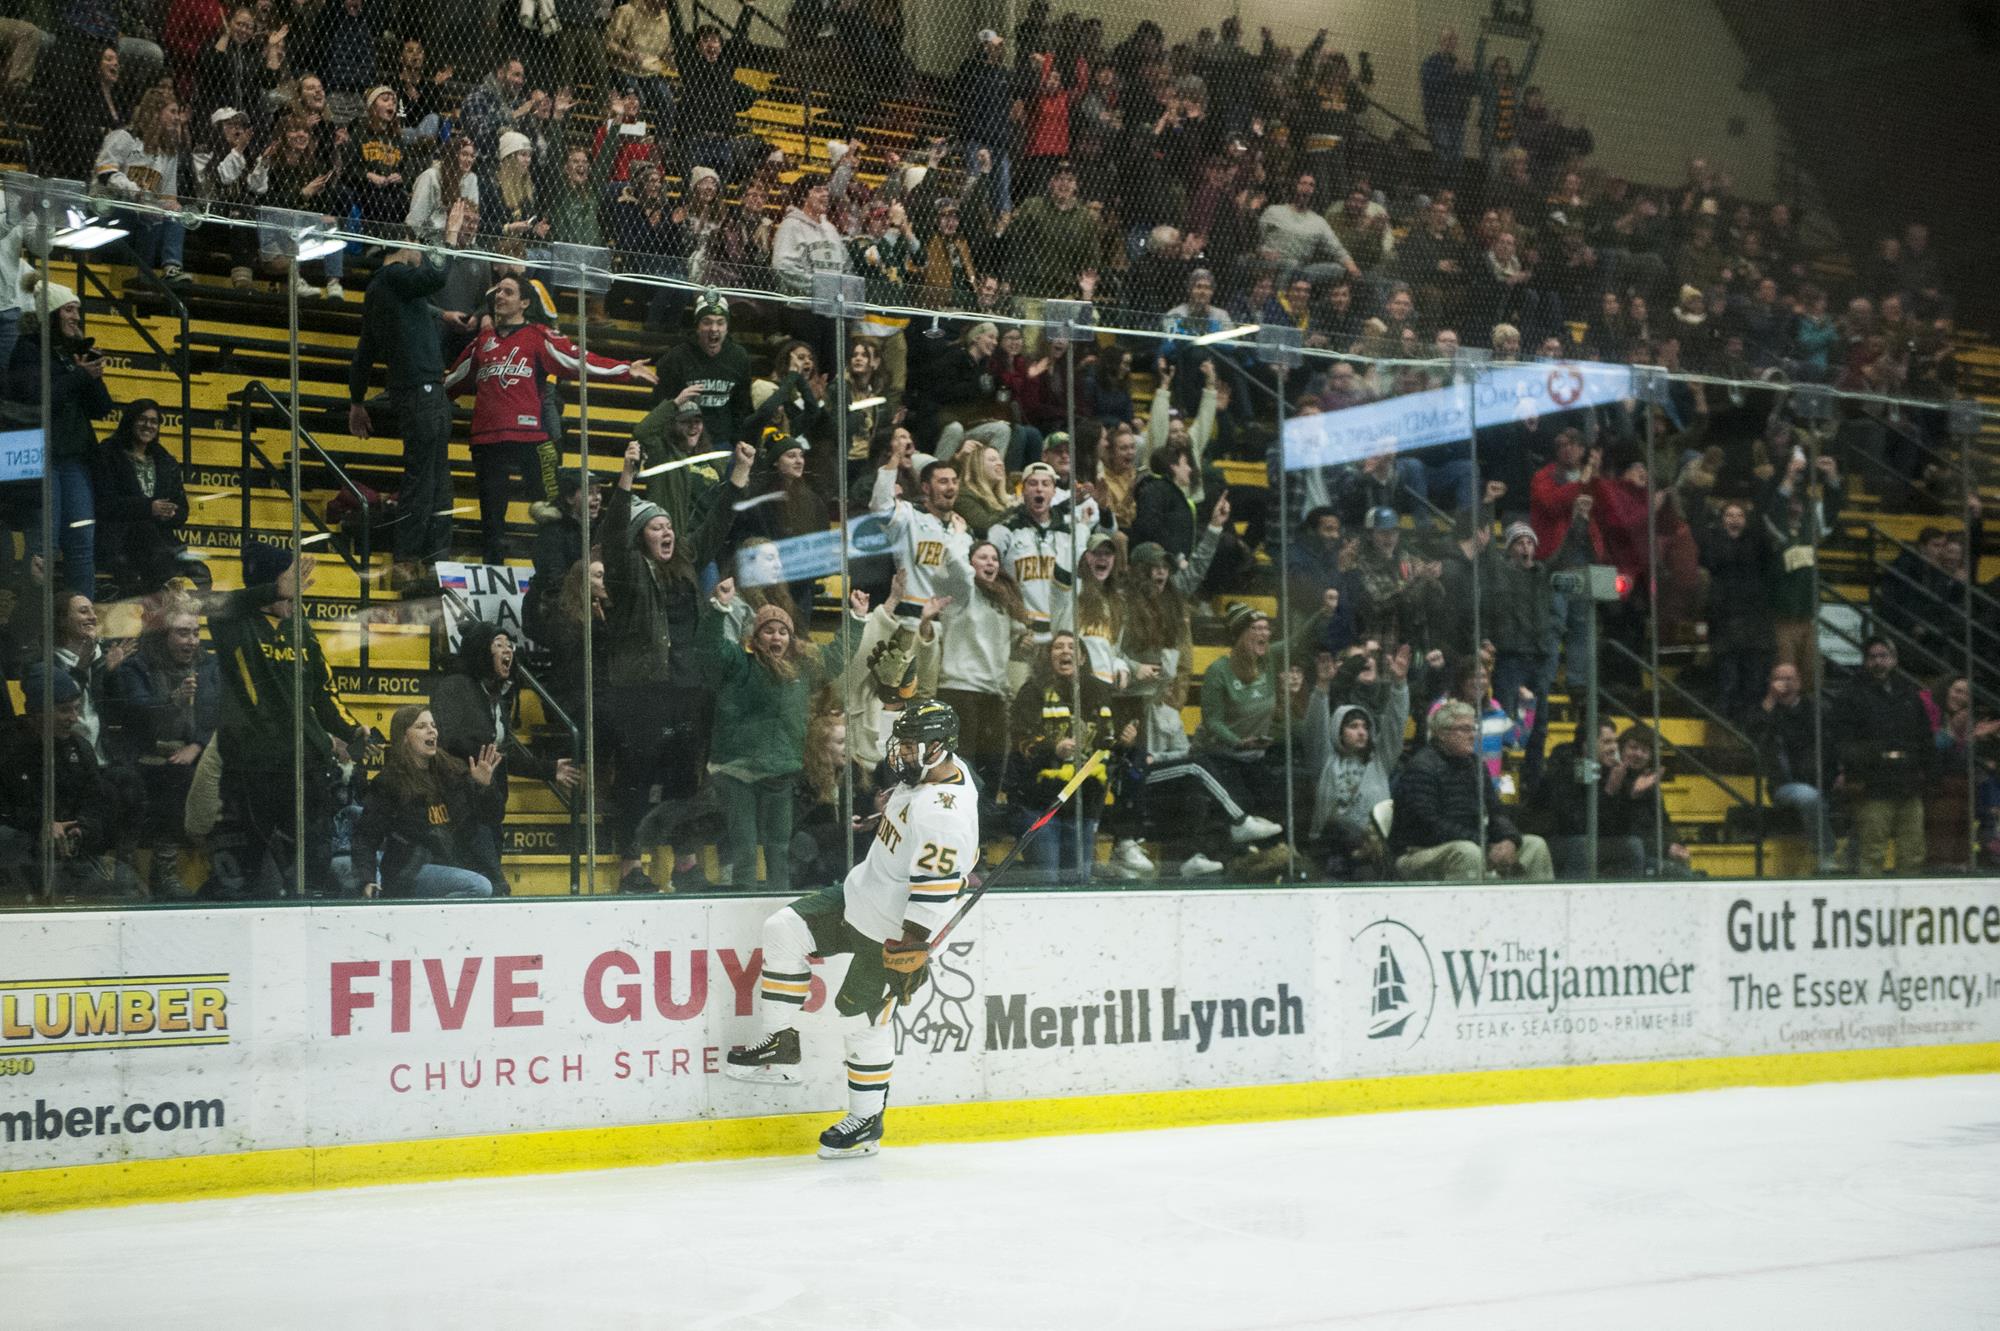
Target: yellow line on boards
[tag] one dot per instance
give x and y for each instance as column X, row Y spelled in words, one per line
column 303, row 1168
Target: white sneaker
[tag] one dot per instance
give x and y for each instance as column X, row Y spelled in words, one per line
column 1199, row 865
column 335, row 291
column 1129, row 857
column 1253, row 828
column 306, row 290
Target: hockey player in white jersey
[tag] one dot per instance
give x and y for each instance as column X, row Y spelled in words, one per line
column 928, row 538
column 883, row 915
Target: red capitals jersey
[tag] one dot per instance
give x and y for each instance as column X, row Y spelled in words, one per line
column 506, row 369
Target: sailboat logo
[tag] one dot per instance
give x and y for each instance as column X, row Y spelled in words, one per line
column 1400, row 981
column 1390, row 1011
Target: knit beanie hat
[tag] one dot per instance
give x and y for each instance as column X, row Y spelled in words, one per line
column 1240, row 617
column 42, row 688
column 1515, row 531
column 513, row 141
column 777, row 445
column 1149, row 554
column 59, row 296
column 711, row 301
column 643, row 512
column 765, row 614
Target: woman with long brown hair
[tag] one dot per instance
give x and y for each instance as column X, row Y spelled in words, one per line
column 983, row 625
column 450, row 178
column 763, row 682
column 377, row 178
column 141, row 164
column 983, row 500
column 301, row 180
column 416, row 835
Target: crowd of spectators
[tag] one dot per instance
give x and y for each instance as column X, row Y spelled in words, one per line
column 1049, row 581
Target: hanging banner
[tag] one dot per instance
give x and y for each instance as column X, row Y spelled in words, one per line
column 815, row 555
column 496, row 594
column 20, row 455
column 1501, row 393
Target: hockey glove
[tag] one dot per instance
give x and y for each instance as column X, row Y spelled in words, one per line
column 905, row 956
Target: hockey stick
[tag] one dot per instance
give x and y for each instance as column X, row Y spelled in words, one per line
column 1084, row 773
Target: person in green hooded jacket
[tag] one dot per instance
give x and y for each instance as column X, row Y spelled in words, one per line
column 763, row 686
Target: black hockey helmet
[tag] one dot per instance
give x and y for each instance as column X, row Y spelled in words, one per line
column 930, row 725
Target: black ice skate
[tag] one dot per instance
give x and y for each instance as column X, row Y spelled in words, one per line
column 773, row 1060
column 852, row 1137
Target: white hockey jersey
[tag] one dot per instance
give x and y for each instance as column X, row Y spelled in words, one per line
column 926, row 842
column 925, row 546
column 1042, row 561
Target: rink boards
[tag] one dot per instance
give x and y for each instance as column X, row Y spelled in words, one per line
column 153, row 1054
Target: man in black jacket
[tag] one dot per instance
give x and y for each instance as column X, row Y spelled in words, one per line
column 710, row 95
column 1787, row 729
column 715, row 366
column 252, row 632
column 1435, row 833
column 986, row 111
column 399, row 327
column 1886, row 751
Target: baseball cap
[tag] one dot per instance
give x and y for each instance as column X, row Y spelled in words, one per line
column 1382, row 519
column 222, row 115
column 988, row 37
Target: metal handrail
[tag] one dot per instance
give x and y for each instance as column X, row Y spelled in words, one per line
column 550, row 707
column 1904, row 641
column 1955, row 604
column 1876, row 533
column 183, row 369
column 756, row 16
column 1714, row 718
column 363, row 567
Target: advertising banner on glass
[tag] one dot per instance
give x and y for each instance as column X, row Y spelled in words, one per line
column 815, row 555
column 1440, row 416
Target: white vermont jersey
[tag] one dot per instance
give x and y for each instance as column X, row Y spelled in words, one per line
column 925, row 546
column 1042, row 561
column 926, row 842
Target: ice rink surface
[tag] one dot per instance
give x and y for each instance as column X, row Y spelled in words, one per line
column 1873, row 1204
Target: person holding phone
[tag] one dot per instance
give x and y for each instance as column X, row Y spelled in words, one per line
column 77, row 397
